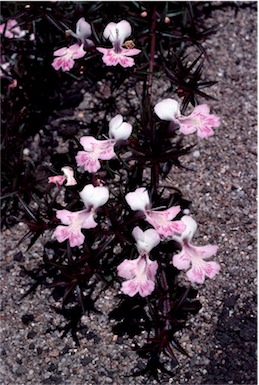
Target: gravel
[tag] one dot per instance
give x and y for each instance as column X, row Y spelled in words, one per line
column 221, row 182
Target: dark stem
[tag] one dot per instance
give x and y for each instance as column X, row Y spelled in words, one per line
column 152, row 51
column 155, row 166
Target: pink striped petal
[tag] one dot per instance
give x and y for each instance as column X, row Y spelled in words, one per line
column 181, row 261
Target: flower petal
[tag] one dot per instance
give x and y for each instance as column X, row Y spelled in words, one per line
column 61, row 233
column 124, row 29
column 211, row 269
column 146, row 240
column 181, row 261
column 69, row 174
column 126, row 269
column 65, row 216
column 146, row 287
column 76, row 238
column 88, row 161
column 117, row 32
column 130, row 287
column 206, row 251
column 138, row 234
column 125, row 61
column 196, row 274
column 167, row 109
column 83, row 29
column 202, row 109
column 188, row 233
column 61, row 51
column 86, row 219
column 130, row 52
column 138, row 199
column 57, row 179
column 116, row 122
column 110, row 31
column 121, row 131
column 77, row 51
column 88, row 142
column 94, row 196
column 152, row 267
column 107, row 150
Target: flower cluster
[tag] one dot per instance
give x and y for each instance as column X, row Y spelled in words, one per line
column 116, row 33
column 139, row 273
column 93, row 197
column 167, row 224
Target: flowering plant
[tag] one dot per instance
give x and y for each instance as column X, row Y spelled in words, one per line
column 109, row 217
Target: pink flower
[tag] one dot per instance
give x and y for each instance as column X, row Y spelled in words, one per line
column 140, row 273
column 194, row 256
column 96, row 150
column 93, row 197
column 117, row 33
column 199, row 120
column 83, row 31
column 67, row 56
column 57, row 179
column 75, row 222
column 12, row 30
column 162, row 221
column 60, row 179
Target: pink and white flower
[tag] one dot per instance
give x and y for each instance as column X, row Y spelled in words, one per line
column 12, row 30
column 194, row 256
column 74, row 221
column 162, row 221
column 117, row 33
column 96, row 150
column 66, row 57
column 93, row 197
column 140, row 273
column 199, row 120
column 60, row 179
column 83, row 31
